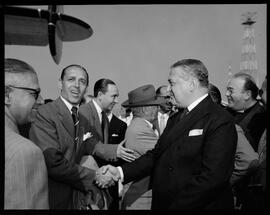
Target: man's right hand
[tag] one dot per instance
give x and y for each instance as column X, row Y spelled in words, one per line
column 125, row 153
column 107, row 172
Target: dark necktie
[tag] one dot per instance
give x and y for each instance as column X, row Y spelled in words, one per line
column 75, row 118
column 184, row 113
column 105, row 127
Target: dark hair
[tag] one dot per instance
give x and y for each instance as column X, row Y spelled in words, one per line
column 214, row 93
column 102, row 86
column 74, row 65
column 249, row 83
column 195, row 68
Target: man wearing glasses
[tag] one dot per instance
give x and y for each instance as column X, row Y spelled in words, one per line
column 26, row 180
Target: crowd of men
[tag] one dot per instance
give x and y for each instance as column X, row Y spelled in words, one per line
column 177, row 147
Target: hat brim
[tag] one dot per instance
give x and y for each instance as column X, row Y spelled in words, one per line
column 157, row 101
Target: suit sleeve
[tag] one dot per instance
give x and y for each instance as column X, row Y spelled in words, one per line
column 44, row 134
column 246, row 159
column 216, row 167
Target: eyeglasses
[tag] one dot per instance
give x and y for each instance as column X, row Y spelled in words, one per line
column 165, row 97
column 34, row 93
column 260, row 92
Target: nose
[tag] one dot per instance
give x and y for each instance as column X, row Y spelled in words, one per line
column 116, row 100
column 227, row 93
column 40, row 100
column 168, row 88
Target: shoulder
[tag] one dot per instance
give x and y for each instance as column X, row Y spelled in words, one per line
column 20, row 147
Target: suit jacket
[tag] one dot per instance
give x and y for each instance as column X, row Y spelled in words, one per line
column 117, row 130
column 91, row 122
column 192, row 161
column 53, row 131
column 140, row 137
column 253, row 122
column 26, row 179
column 246, row 159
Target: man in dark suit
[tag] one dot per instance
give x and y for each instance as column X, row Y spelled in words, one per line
column 117, row 130
column 105, row 97
column 242, row 93
column 193, row 160
column 63, row 146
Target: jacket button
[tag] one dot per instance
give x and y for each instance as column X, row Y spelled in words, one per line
column 170, row 168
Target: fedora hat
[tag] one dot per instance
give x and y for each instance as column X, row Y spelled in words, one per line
column 143, row 96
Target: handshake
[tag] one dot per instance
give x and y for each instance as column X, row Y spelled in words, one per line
column 106, row 176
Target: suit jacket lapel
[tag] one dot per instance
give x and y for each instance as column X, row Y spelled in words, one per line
column 185, row 123
column 94, row 113
column 65, row 116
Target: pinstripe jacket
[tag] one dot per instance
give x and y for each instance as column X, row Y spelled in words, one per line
column 26, row 179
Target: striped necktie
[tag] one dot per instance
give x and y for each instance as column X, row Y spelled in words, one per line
column 75, row 118
column 105, row 127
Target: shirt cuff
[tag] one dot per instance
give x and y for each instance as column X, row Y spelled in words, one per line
column 121, row 173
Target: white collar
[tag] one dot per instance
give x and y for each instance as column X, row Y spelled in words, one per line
column 196, row 102
column 69, row 106
column 110, row 116
column 166, row 115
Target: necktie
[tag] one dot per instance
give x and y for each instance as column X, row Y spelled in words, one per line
column 184, row 113
column 105, row 127
column 162, row 124
column 75, row 118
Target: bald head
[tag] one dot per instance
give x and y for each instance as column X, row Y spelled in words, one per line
column 21, row 90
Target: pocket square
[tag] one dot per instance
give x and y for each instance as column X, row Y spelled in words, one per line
column 87, row 136
column 114, row 135
column 195, row 132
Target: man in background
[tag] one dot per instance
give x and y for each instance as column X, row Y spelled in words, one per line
column 242, row 93
column 26, row 179
column 164, row 110
column 141, row 137
column 96, row 113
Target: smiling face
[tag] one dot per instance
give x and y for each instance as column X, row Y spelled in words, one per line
column 73, row 85
column 21, row 102
column 109, row 98
column 236, row 95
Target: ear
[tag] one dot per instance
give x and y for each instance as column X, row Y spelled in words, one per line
column 7, row 96
column 192, row 84
column 247, row 95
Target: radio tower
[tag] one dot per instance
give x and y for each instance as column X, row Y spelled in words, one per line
column 248, row 55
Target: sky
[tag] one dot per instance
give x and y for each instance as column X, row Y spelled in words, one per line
column 135, row 45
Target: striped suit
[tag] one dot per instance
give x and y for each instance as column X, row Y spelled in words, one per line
column 26, row 179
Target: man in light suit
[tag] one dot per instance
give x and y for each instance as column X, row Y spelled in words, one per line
column 54, row 132
column 26, row 179
column 141, row 137
column 193, row 160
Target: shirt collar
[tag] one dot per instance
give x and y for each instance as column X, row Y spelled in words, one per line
column 196, row 102
column 110, row 116
column 166, row 115
column 69, row 106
